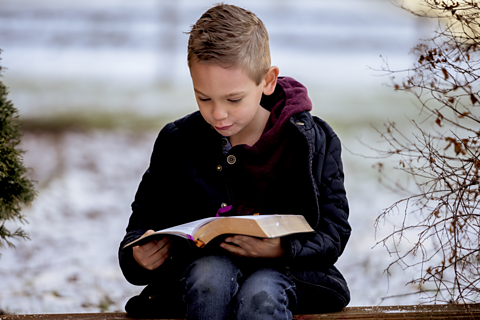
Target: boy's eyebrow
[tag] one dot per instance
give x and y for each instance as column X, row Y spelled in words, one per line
column 234, row 94
column 226, row 96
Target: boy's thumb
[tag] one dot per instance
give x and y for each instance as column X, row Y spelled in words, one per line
column 148, row 232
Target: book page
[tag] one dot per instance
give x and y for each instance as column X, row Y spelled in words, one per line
column 187, row 228
column 257, row 217
column 186, row 231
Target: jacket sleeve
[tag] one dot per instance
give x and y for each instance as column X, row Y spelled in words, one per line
column 155, row 208
column 323, row 247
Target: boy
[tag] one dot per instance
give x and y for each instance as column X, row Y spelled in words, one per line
column 252, row 147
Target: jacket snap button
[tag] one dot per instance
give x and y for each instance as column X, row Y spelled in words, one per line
column 231, row 159
column 219, row 168
column 224, row 142
column 223, row 205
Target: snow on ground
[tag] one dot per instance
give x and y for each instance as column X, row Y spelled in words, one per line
column 86, row 182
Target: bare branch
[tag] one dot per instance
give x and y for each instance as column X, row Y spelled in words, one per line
column 439, row 233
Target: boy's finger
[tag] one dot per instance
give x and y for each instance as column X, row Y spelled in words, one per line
column 164, row 240
column 272, row 240
column 158, row 257
column 144, row 247
column 235, row 243
column 162, row 249
column 250, row 244
column 233, row 249
column 157, row 263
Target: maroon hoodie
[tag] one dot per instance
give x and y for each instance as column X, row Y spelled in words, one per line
column 272, row 176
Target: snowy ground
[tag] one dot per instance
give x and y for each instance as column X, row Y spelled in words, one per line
column 86, row 182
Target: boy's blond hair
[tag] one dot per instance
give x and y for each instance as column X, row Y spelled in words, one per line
column 231, row 37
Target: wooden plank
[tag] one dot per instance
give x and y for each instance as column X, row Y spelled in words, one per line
column 385, row 312
column 401, row 312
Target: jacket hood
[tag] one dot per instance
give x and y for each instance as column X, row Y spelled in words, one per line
column 289, row 98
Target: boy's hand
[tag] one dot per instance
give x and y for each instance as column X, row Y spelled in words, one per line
column 251, row 247
column 153, row 254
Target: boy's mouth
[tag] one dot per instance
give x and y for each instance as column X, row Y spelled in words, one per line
column 223, row 128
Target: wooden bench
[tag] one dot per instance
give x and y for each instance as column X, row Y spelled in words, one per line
column 392, row 312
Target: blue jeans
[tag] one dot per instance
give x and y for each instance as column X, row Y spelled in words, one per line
column 217, row 288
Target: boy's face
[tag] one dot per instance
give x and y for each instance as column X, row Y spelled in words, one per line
column 228, row 99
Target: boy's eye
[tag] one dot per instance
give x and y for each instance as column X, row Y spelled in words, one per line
column 235, row 100
column 204, row 99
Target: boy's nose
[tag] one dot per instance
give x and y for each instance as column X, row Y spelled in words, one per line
column 219, row 113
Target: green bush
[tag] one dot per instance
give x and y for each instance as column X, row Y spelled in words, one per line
column 16, row 189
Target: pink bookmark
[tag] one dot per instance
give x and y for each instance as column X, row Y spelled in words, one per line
column 223, row 210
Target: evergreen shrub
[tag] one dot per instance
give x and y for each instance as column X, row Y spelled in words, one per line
column 16, row 189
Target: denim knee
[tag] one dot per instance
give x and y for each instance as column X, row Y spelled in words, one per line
column 210, row 284
column 211, row 272
column 266, row 294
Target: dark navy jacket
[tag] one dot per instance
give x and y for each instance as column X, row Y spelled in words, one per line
column 183, row 183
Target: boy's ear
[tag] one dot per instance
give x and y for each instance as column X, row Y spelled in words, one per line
column 271, row 80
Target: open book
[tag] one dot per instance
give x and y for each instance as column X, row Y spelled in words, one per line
column 204, row 230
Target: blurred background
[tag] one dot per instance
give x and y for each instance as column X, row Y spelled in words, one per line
column 94, row 82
